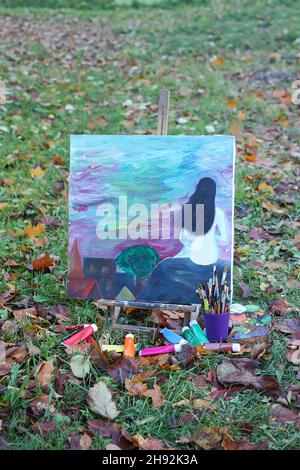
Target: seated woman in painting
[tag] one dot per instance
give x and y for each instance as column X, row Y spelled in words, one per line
column 175, row 278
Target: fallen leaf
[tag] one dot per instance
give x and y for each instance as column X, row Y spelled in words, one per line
column 245, row 290
column 293, row 356
column 112, row 447
column 48, row 220
column 124, row 368
column 79, row 442
column 32, row 350
column 80, row 366
column 186, row 355
column 37, row 173
column 242, row 372
column 122, row 439
column 229, row 444
column 256, row 234
column 135, row 387
column 289, row 325
column 100, row 401
column 232, row 102
column 43, row 263
column 259, row 350
column 204, row 404
column 279, row 307
column 44, row 428
column 269, row 206
column 150, row 443
column 44, row 372
column 250, row 158
column 281, row 414
column 207, row 438
column 217, row 61
column 5, row 369
column 101, row 427
column 199, row 380
column 34, row 231
column 57, row 160
column 198, row 403
column 39, row 406
column 156, row 396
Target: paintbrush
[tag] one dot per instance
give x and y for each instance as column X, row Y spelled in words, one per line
column 210, row 292
column 216, row 284
column 224, row 275
column 202, row 295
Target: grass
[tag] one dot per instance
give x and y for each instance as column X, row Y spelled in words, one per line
column 95, row 61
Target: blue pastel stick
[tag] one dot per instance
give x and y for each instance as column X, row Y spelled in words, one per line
column 170, row 336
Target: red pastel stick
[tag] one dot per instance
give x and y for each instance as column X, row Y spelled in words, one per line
column 85, row 334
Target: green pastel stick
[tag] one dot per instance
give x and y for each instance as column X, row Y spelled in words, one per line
column 198, row 332
column 188, row 335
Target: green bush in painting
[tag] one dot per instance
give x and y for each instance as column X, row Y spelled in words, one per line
column 138, row 261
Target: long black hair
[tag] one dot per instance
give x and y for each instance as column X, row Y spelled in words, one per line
column 205, row 194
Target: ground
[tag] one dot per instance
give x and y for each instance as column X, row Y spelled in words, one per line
column 229, row 67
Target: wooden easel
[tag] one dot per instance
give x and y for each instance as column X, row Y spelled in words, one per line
column 115, row 307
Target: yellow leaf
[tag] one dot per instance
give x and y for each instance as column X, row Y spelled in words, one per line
column 241, row 116
column 34, row 231
column 272, row 207
column 241, row 251
column 217, row 61
column 37, row 173
column 232, row 102
column 264, row 187
column 250, row 158
column 3, row 205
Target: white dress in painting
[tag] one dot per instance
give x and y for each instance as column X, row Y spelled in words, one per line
column 203, row 250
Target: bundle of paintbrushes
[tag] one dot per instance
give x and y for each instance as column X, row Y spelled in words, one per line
column 215, row 297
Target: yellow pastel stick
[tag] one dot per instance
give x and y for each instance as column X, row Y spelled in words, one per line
column 112, row 347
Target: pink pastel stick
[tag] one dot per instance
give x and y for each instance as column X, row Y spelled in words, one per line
column 171, row 348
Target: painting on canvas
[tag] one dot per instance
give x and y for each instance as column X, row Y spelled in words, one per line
column 149, row 216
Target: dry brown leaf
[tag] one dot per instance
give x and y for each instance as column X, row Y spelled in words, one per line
column 293, row 356
column 32, row 350
column 156, row 396
column 243, row 372
column 43, row 263
column 112, row 447
column 289, row 325
column 100, row 401
column 228, row 443
column 259, row 350
column 207, row 438
column 136, row 387
column 80, row 442
column 150, row 443
column 204, row 404
column 44, row 372
column 198, row 403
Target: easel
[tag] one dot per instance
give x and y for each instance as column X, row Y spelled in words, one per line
column 115, row 307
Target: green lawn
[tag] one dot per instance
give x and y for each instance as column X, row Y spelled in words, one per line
column 229, row 67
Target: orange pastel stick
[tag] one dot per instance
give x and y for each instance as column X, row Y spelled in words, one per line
column 129, row 345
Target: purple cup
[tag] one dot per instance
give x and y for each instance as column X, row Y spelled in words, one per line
column 217, row 326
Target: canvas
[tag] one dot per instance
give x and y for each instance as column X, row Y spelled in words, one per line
column 149, row 216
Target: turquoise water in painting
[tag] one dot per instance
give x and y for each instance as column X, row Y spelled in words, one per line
column 147, row 170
